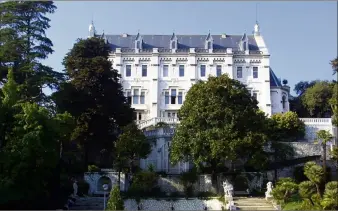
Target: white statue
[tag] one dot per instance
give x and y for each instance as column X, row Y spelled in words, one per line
column 75, row 187
column 268, row 193
column 228, row 189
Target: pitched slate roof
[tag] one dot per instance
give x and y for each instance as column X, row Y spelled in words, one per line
column 184, row 41
column 274, row 81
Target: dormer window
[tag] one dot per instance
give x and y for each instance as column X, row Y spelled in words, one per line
column 209, row 45
column 209, row 42
column 173, row 42
column 138, row 42
column 244, row 46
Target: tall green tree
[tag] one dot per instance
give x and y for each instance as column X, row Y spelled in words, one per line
column 131, row 145
column 30, row 152
column 24, row 45
column 323, row 138
column 316, row 99
column 219, row 121
column 334, row 64
column 94, row 96
column 302, row 86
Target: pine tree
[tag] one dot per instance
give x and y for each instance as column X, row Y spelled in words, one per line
column 115, row 201
column 23, row 44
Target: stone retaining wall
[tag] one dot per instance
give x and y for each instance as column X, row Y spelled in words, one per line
column 180, row 204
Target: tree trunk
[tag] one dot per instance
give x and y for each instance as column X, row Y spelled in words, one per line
column 313, row 204
column 318, row 191
column 324, row 162
column 275, row 175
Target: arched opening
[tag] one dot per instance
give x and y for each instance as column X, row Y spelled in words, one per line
column 209, row 45
column 173, row 45
column 104, row 180
column 284, row 101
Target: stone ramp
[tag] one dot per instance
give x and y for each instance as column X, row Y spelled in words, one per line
column 252, row 203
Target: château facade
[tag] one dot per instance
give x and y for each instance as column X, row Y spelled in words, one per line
column 158, row 70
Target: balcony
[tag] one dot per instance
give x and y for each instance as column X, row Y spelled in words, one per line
column 153, row 121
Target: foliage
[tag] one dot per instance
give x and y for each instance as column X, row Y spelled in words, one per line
column 307, row 189
column 324, row 137
column 316, row 99
column 334, row 153
column 315, row 174
column 188, row 179
column 302, row 86
column 143, row 183
column 330, row 198
column 93, row 95
column 219, row 121
column 334, row 64
column 24, row 45
column 115, row 201
column 151, row 168
column 334, row 104
column 93, row 168
column 284, row 189
column 131, row 144
column 287, row 127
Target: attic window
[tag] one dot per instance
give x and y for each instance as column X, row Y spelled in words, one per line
column 173, row 45
column 138, row 44
column 209, row 45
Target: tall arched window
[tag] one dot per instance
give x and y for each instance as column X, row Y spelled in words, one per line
column 209, row 45
column 284, row 101
column 173, row 45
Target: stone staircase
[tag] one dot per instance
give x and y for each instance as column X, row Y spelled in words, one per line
column 88, row 203
column 252, row 203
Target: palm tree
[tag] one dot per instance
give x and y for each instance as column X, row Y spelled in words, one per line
column 315, row 174
column 334, row 64
column 334, row 155
column 324, row 137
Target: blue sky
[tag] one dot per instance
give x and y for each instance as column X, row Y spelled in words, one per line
column 301, row 36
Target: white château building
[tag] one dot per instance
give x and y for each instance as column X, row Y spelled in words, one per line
column 158, row 70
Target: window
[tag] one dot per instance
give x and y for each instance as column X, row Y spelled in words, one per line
column 181, row 70
column 218, row 70
column 138, row 44
column 128, row 97
column 239, row 72
column 173, row 45
column 128, row 70
column 139, row 116
column 173, row 96
column 169, row 115
column 209, row 45
column 180, row 98
column 136, row 96
column 255, row 72
column 254, row 95
column 144, row 70
column 166, row 97
column 284, row 101
column 142, row 98
column 173, row 115
column 202, row 69
column 165, row 70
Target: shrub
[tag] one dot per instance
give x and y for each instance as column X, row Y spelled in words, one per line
column 93, row 168
column 115, row 201
column 330, row 198
column 284, row 189
column 288, row 126
column 188, row 179
column 144, row 183
column 306, row 190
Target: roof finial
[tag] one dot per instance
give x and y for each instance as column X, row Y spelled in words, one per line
column 256, row 27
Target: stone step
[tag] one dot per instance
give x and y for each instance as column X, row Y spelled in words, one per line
column 255, row 208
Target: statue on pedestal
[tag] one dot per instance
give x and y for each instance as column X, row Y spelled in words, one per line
column 75, row 188
column 268, row 193
column 228, row 189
